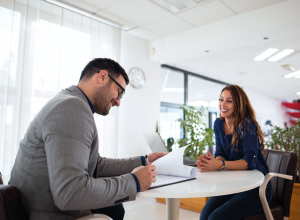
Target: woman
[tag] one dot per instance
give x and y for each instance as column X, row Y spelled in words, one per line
column 239, row 146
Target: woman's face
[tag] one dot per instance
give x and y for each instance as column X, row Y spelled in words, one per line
column 226, row 104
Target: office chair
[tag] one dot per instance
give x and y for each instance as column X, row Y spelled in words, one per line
column 11, row 207
column 281, row 164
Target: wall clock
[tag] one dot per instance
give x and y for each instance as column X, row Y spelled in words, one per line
column 137, row 77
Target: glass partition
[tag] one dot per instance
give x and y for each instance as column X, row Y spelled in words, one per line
column 172, row 86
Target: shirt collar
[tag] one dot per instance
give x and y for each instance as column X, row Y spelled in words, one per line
column 90, row 103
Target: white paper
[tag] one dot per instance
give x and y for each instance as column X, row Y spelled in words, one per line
column 170, row 168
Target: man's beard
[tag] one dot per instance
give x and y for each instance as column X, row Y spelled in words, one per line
column 102, row 100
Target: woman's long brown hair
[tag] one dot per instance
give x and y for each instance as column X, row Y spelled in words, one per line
column 243, row 109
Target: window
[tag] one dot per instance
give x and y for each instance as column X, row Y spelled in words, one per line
column 43, row 49
column 180, row 87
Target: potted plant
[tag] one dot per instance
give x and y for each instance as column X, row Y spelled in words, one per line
column 287, row 139
column 197, row 135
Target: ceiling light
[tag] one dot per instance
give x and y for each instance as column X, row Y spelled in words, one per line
column 298, row 93
column 288, row 67
column 176, row 6
column 295, row 74
column 281, row 55
column 265, row 54
column 177, row 3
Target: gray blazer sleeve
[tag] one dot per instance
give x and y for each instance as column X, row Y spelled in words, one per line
column 68, row 137
column 116, row 167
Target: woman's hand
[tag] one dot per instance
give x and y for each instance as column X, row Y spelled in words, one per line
column 208, row 163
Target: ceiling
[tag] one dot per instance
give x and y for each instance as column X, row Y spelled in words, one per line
column 215, row 38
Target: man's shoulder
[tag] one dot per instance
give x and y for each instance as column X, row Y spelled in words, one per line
column 70, row 98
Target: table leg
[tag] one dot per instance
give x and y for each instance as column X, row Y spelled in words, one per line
column 173, row 205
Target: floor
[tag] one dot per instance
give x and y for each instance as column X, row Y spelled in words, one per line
column 152, row 210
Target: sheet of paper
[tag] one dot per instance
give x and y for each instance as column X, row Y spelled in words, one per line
column 162, row 180
column 172, row 165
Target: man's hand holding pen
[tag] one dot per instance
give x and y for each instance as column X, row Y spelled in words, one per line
column 147, row 174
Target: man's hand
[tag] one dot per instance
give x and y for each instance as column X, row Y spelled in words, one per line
column 146, row 176
column 154, row 156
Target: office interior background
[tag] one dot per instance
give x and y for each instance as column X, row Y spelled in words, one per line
column 197, row 46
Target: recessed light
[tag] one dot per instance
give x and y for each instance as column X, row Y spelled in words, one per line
column 298, row 93
column 266, row 38
column 295, row 74
column 281, row 55
column 243, row 73
column 266, row 54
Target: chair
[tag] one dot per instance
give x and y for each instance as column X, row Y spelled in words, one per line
column 281, row 164
column 11, row 207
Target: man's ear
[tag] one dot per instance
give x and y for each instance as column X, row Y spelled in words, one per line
column 102, row 77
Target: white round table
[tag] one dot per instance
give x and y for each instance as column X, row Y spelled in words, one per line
column 207, row 184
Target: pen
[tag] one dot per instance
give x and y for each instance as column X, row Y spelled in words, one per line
column 146, row 160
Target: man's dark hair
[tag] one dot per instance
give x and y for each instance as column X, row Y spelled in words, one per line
column 98, row 64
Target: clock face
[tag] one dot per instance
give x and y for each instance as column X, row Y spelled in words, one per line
column 137, row 78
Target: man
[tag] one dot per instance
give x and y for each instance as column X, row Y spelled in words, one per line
column 57, row 165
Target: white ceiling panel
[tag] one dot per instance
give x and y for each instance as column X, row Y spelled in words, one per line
column 192, row 64
column 121, row 21
column 206, row 13
column 293, row 60
column 141, row 12
column 80, row 5
column 102, row 4
column 221, row 64
column 238, row 54
column 286, row 43
column 242, row 6
column 168, row 26
column 144, row 34
column 254, row 65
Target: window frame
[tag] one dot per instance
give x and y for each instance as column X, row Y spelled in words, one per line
column 186, row 77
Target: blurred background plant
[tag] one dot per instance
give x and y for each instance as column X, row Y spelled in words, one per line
column 197, row 135
column 286, row 139
column 170, row 142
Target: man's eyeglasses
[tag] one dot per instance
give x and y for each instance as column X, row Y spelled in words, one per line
column 120, row 95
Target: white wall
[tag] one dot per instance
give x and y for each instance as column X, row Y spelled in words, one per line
column 139, row 110
column 267, row 107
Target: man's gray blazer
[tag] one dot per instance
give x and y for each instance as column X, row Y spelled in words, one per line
column 58, row 161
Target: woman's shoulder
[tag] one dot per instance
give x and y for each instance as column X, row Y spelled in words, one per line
column 248, row 123
column 218, row 123
column 248, row 126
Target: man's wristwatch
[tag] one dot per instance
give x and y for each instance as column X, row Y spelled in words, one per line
column 223, row 167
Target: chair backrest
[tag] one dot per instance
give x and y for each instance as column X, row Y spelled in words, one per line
column 1, row 180
column 11, row 207
column 285, row 163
